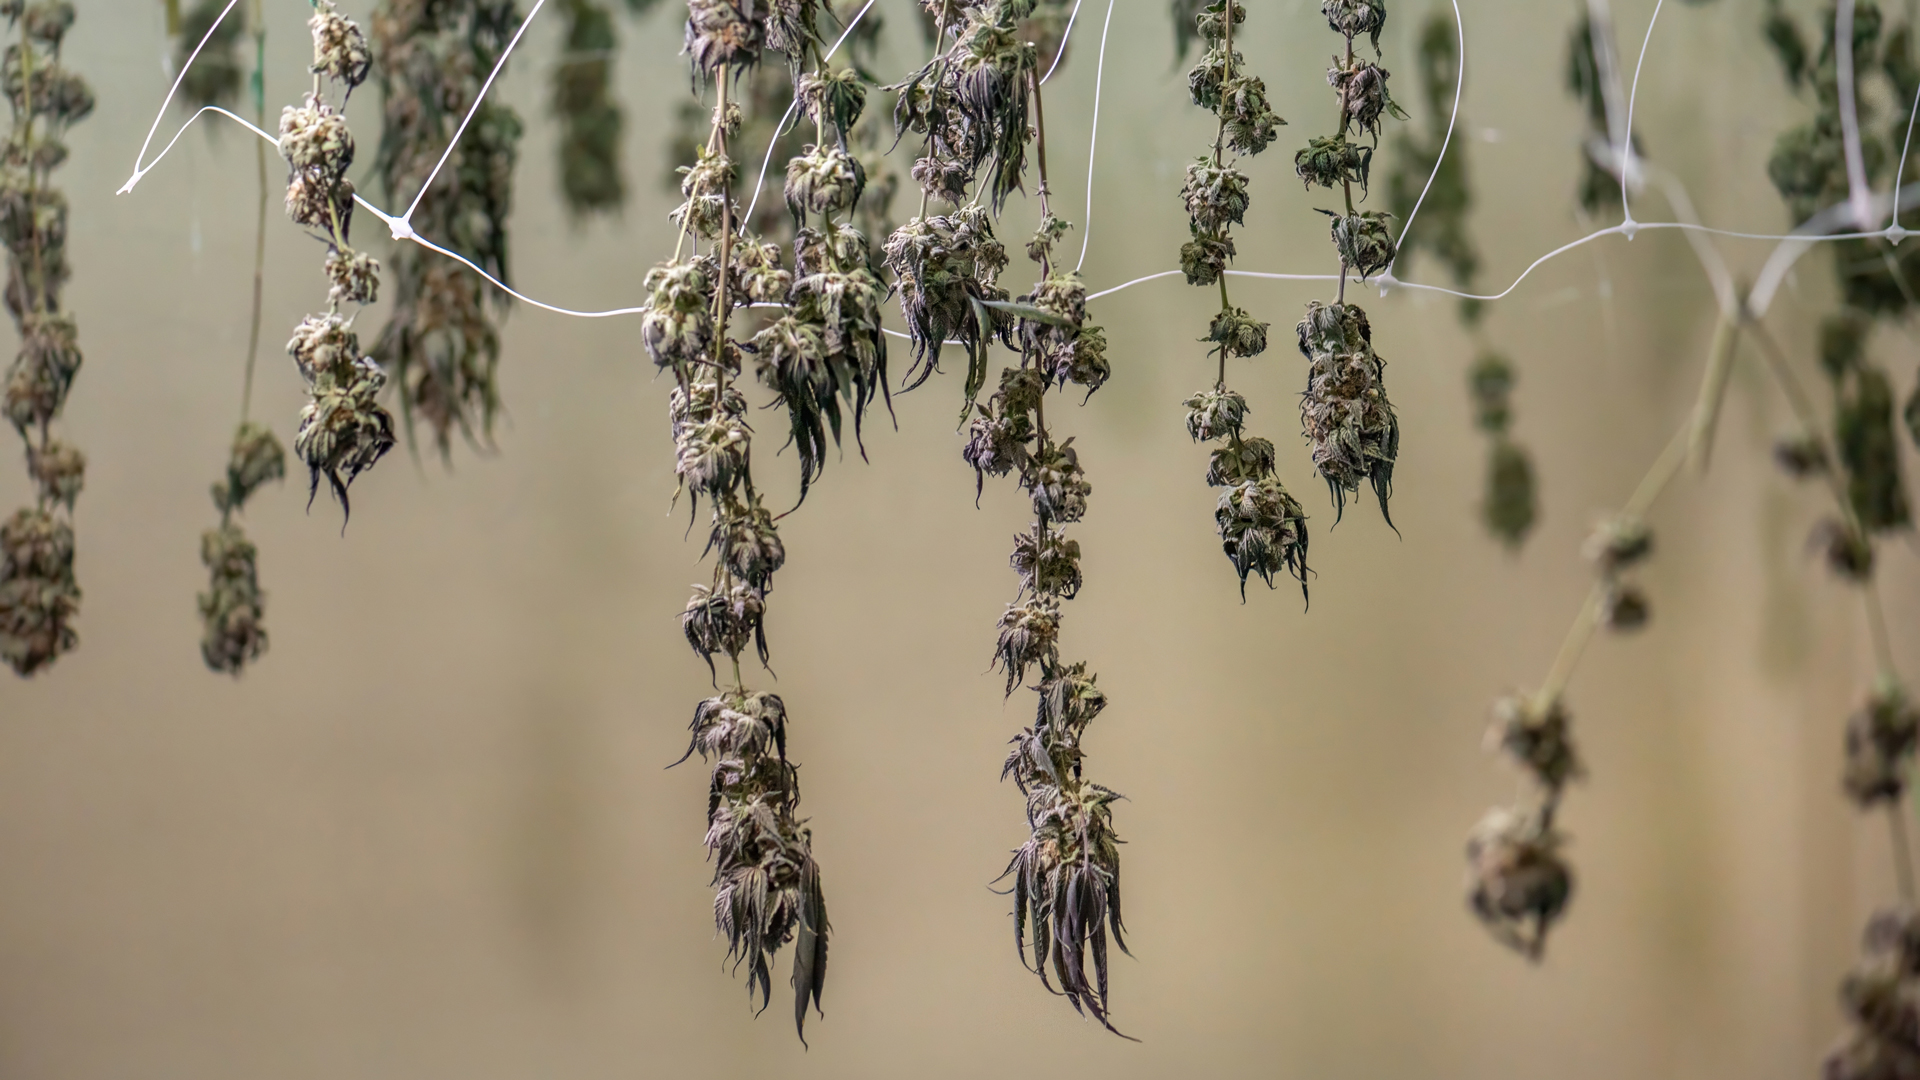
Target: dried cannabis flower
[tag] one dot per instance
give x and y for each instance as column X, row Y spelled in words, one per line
column 1345, row 413
column 591, row 180
column 1881, row 996
column 232, row 607
column 1535, row 734
column 339, row 48
column 1517, row 884
column 1881, row 736
column 215, row 76
column 1364, row 241
column 441, row 342
column 1263, row 531
column 767, row 885
column 39, row 597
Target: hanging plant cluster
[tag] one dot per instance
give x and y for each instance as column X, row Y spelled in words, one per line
column 39, row 596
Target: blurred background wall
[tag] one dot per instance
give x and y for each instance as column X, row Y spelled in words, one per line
column 431, row 834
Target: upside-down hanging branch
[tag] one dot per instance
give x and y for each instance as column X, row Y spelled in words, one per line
column 39, row 596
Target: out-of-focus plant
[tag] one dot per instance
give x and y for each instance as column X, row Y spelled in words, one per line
column 1430, row 175
column 39, row 596
column 442, row 340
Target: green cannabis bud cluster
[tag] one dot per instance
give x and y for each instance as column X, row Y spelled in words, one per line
column 1434, row 182
column 1592, row 74
column 215, row 75
column 1808, row 164
column 343, row 429
column 1881, row 997
column 39, row 597
column 591, row 179
column 232, row 608
column 442, row 340
column 1508, row 508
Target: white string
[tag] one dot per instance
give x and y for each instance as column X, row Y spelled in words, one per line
column 1061, row 53
column 1860, row 195
column 1626, row 144
column 1093, row 138
column 402, row 226
column 139, row 171
column 1459, row 82
column 780, row 129
column 1894, row 232
column 1791, row 245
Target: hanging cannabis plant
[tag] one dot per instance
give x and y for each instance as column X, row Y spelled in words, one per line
column 232, row 610
column 1263, row 528
column 1856, row 456
column 821, row 353
column 343, row 429
column 1430, row 175
column 442, row 341
column 39, row 597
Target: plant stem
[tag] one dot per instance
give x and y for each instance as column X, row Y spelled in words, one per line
column 260, row 227
column 1658, row 476
column 1902, row 850
column 1802, row 405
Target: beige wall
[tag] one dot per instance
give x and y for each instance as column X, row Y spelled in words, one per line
column 430, row 836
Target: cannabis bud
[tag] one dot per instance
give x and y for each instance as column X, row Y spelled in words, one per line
column 835, row 97
column 339, row 48
column 1800, row 456
column 1331, row 161
column 343, row 430
column 1881, row 736
column 1047, row 562
column 1870, row 450
column 1509, row 507
column 1624, row 607
column 1345, row 413
column 1618, row 543
column 1237, row 333
column 677, row 328
column 59, row 470
column 355, row 276
column 42, row 372
column 1364, row 241
column 704, row 185
column 725, row 33
column 1535, row 735
column 1204, row 258
column 38, row 595
column 232, row 608
column 725, row 620
column 1517, row 884
column 1057, row 483
column 1028, row 632
column 1263, row 531
column 1215, row 414
column 825, row 180
column 946, row 267
column 1846, row 552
